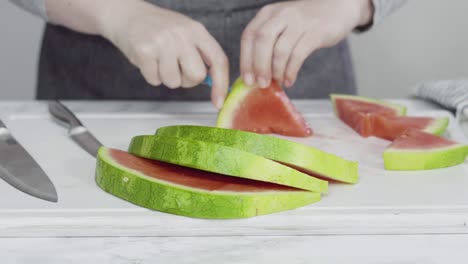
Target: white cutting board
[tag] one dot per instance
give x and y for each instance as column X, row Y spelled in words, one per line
column 382, row 202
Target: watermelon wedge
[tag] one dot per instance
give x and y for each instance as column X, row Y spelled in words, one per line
column 417, row 150
column 224, row 160
column 358, row 112
column 390, row 127
column 184, row 191
column 307, row 159
column 262, row 111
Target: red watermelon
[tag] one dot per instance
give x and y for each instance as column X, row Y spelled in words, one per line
column 417, row 150
column 358, row 112
column 389, row 128
column 190, row 192
column 370, row 117
column 262, row 111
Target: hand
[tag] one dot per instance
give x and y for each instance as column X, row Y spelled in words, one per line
column 281, row 36
column 168, row 48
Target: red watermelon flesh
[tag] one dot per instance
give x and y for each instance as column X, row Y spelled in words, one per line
column 414, row 139
column 262, row 111
column 389, row 128
column 311, row 173
column 359, row 114
column 192, row 177
column 418, row 150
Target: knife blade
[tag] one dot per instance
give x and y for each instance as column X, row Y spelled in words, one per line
column 21, row 171
column 76, row 130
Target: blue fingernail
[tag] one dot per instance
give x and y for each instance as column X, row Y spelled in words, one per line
column 208, row 81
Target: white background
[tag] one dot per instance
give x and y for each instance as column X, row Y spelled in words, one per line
column 423, row 41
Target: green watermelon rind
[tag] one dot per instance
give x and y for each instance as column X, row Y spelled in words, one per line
column 277, row 149
column 151, row 193
column 438, row 126
column 238, row 93
column 400, row 110
column 220, row 159
column 424, row 159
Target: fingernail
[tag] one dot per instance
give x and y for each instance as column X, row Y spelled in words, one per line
column 262, row 82
column 288, row 83
column 249, row 79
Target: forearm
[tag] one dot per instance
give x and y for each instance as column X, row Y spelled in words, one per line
column 80, row 15
column 86, row 16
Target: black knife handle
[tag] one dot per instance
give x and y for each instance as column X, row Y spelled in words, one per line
column 64, row 115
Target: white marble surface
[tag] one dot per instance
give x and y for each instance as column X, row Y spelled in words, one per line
column 370, row 207
column 422, row 249
column 402, row 249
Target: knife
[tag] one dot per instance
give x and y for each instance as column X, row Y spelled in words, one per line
column 76, row 130
column 21, row 171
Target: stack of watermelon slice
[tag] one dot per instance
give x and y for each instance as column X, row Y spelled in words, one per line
column 210, row 172
column 417, row 141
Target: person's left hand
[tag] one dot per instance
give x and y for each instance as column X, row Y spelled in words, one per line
column 281, row 36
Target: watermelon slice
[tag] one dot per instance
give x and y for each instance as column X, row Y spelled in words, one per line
column 417, row 150
column 309, row 160
column 224, row 160
column 358, row 112
column 262, row 111
column 390, row 127
column 184, row 191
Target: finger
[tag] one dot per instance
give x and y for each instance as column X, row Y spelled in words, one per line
column 248, row 45
column 149, row 70
column 265, row 40
column 169, row 70
column 193, row 69
column 282, row 52
column 307, row 44
column 214, row 56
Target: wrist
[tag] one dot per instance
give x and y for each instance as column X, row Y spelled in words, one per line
column 112, row 15
column 366, row 12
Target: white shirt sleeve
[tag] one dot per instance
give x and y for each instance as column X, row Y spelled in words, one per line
column 36, row 7
column 382, row 9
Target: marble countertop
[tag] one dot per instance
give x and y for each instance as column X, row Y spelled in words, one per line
column 400, row 249
column 403, row 249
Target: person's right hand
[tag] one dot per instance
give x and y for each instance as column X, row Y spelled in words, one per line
column 168, row 47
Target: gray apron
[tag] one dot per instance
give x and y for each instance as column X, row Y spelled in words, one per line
column 78, row 66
